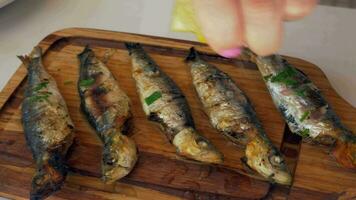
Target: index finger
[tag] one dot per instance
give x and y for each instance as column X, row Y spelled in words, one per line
column 221, row 24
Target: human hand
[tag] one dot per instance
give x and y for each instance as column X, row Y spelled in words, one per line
column 230, row 24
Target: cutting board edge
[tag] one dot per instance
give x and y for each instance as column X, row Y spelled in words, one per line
column 14, row 82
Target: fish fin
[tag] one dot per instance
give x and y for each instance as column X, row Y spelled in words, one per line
column 132, row 46
column 299, row 70
column 35, row 53
column 24, row 59
column 49, row 177
column 248, row 55
column 87, row 51
column 192, row 56
column 345, row 153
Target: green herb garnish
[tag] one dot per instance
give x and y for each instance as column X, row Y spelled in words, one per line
column 40, row 97
column 304, row 116
column 153, row 97
column 40, row 86
column 290, row 82
column 301, row 92
column 86, row 82
column 68, row 82
column 304, row 132
column 286, row 76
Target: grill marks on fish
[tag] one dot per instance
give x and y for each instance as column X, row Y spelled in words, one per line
column 230, row 112
column 48, row 128
column 107, row 109
column 304, row 108
column 170, row 109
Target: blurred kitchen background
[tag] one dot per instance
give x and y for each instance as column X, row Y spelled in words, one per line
column 325, row 38
column 339, row 3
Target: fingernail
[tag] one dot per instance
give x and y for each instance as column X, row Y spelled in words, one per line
column 230, row 53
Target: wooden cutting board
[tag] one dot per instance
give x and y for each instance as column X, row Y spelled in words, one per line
column 159, row 173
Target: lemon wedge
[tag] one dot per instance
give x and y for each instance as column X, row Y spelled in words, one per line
column 183, row 19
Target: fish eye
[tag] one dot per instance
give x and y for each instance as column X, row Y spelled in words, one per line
column 108, row 160
column 202, row 142
column 275, row 160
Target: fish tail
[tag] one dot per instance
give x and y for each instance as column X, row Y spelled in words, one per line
column 192, row 56
column 49, row 177
column 83, row 56
column 131, row 46
column 36, row 53
column 24, row 59
column 345, row 153
column 248, row 54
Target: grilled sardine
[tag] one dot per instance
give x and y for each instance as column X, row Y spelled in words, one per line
column 107, row 109
column 47, row 126
column 304, row 108
column 231, row 113
column 164, row 103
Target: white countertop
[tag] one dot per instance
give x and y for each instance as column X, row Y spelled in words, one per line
column 326, row 38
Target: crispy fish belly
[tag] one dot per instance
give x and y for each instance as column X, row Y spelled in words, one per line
column 304, row 108
column 164, row 103
column 231, row 113
column 47, row 126
column 107, row 109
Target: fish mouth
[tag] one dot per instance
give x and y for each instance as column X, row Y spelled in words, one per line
column 263, row 158
column 119, row 158
column 191, row 145
column 112, row 174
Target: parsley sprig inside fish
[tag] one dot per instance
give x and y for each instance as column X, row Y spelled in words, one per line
column 304, row 108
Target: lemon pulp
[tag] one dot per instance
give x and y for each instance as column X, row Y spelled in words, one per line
column 183, row 19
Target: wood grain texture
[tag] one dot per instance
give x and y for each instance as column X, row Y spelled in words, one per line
column 159, row 172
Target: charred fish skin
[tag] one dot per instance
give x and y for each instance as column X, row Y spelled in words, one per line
column 107, row 109
column 232, row 114
column 49, row 131
column 164, row 103
column 304, row 108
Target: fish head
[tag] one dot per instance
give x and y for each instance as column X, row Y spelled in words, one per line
column 119, row 157
column 267, row 161
column 192, row 145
